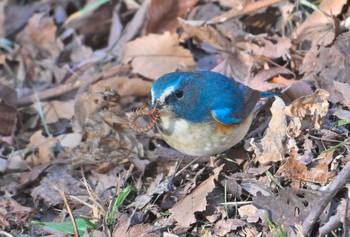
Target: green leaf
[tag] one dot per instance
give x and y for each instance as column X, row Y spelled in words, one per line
column 342, row 122
column 67, row 227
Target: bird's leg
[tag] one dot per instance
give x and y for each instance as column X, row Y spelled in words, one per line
column 171, row 177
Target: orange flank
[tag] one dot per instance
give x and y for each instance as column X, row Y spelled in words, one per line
column 225, row 129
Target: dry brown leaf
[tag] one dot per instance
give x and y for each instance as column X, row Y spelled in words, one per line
column 310, row 28
column 327, row 65
column 292, row 169
column 260, row 80
column 44, row 146
column 312, row 107
column 250, row 212
column 267, row 47
column 12, row 213
column 223, row 227
column 162, row 15
column 202, row 32
column 271, row 147
column 155, row 55
column 184, row 210
column 295, row 88
column 41, row 34
column 318, row 174
column 296, row 170
column 124, row 86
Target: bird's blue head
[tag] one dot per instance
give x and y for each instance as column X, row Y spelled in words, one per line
column 178, row 93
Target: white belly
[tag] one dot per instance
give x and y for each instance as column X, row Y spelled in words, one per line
column 197, row 139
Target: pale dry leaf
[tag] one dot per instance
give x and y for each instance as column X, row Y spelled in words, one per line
column 250, row 212
column 344, row 90
column 183, row 211
column 312, row 107
column 155, row 55
column 223, row 227
column 342, row 114
column 47, row 191
column 70, row 139
column 55, row 110
column 267, row 47
column 271, row 146
column 236, row 4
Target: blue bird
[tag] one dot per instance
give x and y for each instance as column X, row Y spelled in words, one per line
column 202, row 113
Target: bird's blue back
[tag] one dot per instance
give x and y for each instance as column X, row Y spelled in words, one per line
column 208, row 93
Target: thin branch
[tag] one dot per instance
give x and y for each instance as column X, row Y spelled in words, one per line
column 58, row 90
column 328, row 194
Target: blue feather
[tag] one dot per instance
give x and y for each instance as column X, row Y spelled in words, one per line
column 206, row 94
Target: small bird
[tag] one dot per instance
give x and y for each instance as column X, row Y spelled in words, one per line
column 202, row 113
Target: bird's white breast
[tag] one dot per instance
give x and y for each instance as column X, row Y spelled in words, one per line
column 200, row 139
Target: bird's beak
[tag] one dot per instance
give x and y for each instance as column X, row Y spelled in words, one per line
column 157, row 105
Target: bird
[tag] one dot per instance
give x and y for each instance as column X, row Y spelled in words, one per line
column 202, row 113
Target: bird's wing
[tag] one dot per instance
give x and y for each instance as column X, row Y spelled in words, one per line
column 240, row 109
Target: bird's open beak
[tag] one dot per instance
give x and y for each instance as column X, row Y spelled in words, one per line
column 156, row 105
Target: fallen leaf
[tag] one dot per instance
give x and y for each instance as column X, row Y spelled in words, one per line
column 342, row 114
column 288, row 207
column 55, row 110
column 162, row 15
column 40, row 33
column 183, row 211
column 312, row 107
column 13, row 213
column 271, row 147
column 296, row 170
column 43, row 148
column 48, row 193
column 223, row 227
column 124, row 86
column 249, row 212
column 155, row 55
column 344, row 90
column 330, row 75
column 267, row 47
column 316, row 26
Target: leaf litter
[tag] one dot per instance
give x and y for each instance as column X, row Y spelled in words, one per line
column 72, row 74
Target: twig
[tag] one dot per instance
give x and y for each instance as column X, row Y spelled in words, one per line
column 76, row 233
column 328, row 194
column 58, row 90
column 5, row 234
column 252, row 7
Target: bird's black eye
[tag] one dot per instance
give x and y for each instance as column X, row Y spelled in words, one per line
column 179, row 94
